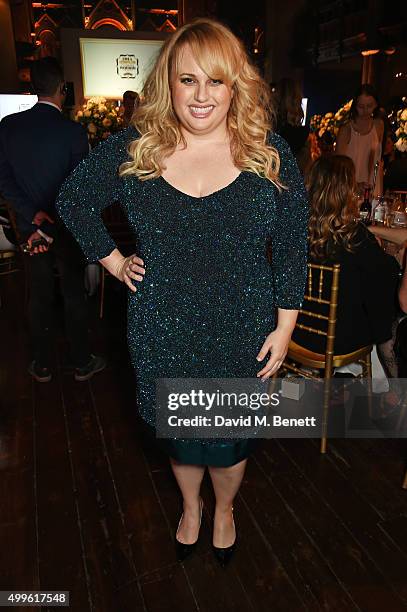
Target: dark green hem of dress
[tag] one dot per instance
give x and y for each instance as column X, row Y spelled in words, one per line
column 196, row 452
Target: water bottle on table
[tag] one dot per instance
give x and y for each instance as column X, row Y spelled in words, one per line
column 379, row 208
column 365, row 210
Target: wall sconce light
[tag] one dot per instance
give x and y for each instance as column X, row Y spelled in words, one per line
column 258, row 33
column 370, row 52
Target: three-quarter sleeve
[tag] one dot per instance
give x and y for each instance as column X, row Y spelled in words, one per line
column 289, row 239
column 92, row 186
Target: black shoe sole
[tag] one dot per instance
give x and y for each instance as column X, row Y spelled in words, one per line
column 224, row 555
column 84, row 377
column 183, row 551
column 40, row 379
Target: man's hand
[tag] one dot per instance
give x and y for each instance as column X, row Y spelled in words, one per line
column 42, row 248
column 41, row 216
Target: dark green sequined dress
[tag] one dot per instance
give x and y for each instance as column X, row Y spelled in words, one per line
column 209, row 296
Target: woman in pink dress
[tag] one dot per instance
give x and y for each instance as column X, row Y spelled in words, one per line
column 361, row 139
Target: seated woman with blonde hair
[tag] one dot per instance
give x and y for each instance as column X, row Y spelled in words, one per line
column 368, row 277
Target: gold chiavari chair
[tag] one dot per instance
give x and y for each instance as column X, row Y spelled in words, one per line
column 320, row 304
column 10, row 261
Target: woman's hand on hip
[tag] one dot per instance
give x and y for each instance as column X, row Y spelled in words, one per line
column 276, row 344
column 129, row 269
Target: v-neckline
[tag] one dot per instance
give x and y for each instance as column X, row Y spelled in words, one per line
column 209, row 195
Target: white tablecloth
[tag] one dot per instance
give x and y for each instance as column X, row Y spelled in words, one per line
column 380, row 384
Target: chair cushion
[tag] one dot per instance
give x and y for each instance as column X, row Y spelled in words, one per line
column 317, row 360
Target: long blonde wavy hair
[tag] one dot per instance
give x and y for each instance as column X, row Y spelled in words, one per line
column 331, row 187
column 221, row 56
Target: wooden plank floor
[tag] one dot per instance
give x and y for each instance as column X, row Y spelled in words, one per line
column 88, row 506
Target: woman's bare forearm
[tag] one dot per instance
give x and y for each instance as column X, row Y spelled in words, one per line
column 392, row 234
column 403, row 291
column 286, row 320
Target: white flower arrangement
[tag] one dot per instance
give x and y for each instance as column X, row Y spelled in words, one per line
column 330, row 122
column 401, row 132
column 100, row 117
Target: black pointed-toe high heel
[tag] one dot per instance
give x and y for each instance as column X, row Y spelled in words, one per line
column 224, row 555
column 184, row 550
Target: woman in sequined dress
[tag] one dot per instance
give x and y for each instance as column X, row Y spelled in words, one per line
column 206, row 187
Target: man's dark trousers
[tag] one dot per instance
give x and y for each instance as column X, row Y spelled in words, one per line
column 39, row 148
column 67, row 256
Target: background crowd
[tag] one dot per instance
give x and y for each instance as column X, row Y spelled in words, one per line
column 363, row 163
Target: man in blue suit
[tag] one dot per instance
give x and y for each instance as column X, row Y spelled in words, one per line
column 38, row 150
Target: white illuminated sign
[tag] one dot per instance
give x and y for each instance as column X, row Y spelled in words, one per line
column 15, row 103
column 304, row 104
column 110, row 67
